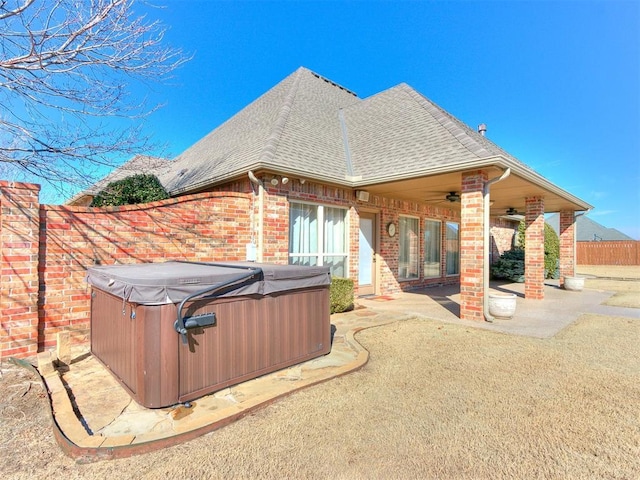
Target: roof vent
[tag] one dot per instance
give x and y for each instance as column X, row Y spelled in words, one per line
column 482, row 128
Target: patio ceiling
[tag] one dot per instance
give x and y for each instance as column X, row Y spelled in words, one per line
column 508, row 193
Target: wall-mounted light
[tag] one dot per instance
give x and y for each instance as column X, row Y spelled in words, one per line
column 302, row 180
column 362, row 195
column 274, row 181
column 285, row 180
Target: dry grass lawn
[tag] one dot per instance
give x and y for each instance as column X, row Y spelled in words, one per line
column 624, row 280
column 435, row 401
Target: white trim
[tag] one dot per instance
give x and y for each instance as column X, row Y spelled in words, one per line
column 321, row 254
column 439, row 221
column 408, row 278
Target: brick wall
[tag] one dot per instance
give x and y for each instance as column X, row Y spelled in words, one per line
column 534, row 253
column 203, row 227
column 276, row 228
column 472, row 246
column 46, row 249
column 567, row 245
column 19, row 226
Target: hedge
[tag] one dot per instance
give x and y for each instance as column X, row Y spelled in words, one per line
column 131, row 190
column 341, row 294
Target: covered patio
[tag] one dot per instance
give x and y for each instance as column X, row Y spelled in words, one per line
column 490, row 188
column 533, row 318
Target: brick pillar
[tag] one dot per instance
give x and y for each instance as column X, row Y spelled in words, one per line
column 19, row 242
column 471, row 246
column 534, row 249
column 567, row 245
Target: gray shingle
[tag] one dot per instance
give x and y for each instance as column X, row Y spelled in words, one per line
column 588, row 230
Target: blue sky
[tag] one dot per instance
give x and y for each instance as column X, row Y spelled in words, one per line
column 557, row 83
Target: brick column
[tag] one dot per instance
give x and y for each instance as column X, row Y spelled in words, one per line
column 534, row 249
column 567, row 245
column 19, row 242
column 471, row 246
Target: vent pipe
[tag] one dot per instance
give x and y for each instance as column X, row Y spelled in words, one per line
column 482, row 129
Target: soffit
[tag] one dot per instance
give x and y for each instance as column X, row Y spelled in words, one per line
column 508, row 193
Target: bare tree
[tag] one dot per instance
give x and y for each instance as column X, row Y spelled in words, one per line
column 66, row 70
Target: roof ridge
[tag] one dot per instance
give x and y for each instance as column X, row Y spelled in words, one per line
column 455, row 127
column 271, row 144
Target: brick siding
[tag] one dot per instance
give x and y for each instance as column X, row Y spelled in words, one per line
column 534, row 253
column 47, row 249
column 203, row 227
column 567, row 245
column 472, row 246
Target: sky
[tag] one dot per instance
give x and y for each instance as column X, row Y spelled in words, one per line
column 556, row 83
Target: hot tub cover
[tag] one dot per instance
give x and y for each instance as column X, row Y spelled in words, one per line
column 171, row 282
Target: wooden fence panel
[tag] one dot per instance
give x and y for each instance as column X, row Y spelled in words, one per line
column 619, row 252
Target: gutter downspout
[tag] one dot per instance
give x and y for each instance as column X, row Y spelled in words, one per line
column 486, row 188
column 260, row 228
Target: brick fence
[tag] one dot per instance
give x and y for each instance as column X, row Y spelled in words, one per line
column 47, row 249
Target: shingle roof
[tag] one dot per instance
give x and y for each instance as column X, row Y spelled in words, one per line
column 310, row 127
column 588, row 230
column 293, row 127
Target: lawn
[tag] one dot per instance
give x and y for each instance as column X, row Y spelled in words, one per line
column 435, row 401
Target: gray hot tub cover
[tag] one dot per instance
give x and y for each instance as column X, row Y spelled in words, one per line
column 171, row 282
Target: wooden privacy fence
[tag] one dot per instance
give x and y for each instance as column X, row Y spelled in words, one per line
column 620, row 252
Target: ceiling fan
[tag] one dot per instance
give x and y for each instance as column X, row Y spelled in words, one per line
column 451, row 197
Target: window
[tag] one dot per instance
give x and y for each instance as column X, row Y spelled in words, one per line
column 453, row 248
column 408, row 257
column 318, row 236
column 432, row 241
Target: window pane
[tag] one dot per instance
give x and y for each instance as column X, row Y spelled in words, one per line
column 409, row 245
column 337, row 265
column 303, row 228
column 453, row 249
column 334, row 230
column 432, row 240
column 304, row 261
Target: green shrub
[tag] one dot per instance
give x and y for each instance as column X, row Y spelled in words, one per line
column 510, row 266
column 341, row 294
column 551, row 252
column 511, row 263
column 130, row 190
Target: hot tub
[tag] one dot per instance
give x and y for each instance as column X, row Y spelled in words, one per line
column 172, row 332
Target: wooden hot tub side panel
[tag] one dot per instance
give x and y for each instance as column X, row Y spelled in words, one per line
column 113, row 337
column 255, row 336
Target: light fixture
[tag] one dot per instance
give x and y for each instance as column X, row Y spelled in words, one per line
column 453, row 197
column 302, row 180
column 285, row 180
column 274, row 181
column 362, row 195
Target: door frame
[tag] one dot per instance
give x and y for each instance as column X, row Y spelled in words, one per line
column 374, row 215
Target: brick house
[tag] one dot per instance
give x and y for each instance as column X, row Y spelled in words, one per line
column 387, row 190
column 391, row 191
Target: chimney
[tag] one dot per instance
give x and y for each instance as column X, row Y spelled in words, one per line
column 482, row 128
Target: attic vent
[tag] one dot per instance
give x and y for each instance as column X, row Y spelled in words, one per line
column 334, row 84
